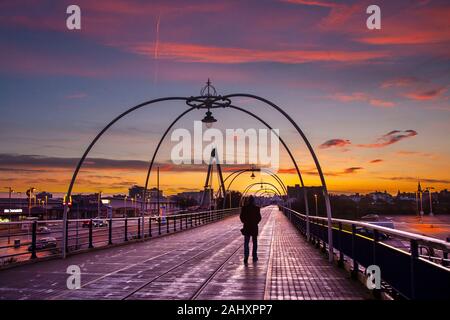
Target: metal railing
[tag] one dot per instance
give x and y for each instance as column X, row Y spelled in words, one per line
column 25, row 240
column 411, row 265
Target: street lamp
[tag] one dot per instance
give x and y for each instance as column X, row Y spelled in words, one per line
column 125, row 206
column 209, row 119
column 10, row 189
column 431, row 201
column 30, row 193
column 98, row 203
column 315, row 198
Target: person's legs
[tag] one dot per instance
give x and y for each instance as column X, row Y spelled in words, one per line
column 246, row 247
column 255, row 247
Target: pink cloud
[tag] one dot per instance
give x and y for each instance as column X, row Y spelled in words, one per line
column 381, row 103
column 390, row 138
column 427, row 94
column 360, row 96
column 334, row 143
column 317, row 3
column 400, row 82
column 414, row 26
column 228, row 55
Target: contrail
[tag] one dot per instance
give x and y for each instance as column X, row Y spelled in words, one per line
column 156, row 54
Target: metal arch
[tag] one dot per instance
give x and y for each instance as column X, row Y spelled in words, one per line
column 88, row 149
column 305, row 197
column 270, row 128
column 225, row 98
column 281, row 140
column 313, row 154
column 158, row 146
column 241, row 171
column 247, row 189
column 267, row 191
column 273, row 192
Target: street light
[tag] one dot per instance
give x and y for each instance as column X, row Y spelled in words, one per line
column 209, row 119
column 10, row 189
column 431, row 201
column 315, row 197
column 98, row 203
column 30, row 193
column 125, row 206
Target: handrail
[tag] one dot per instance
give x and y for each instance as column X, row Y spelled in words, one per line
column 398, row 233
column 115, row 219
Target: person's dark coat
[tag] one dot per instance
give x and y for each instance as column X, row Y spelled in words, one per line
column 250, row 217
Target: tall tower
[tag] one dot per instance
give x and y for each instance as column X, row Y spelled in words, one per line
column 420, row 193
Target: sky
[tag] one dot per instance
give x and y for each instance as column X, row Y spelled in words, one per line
column 373, row 103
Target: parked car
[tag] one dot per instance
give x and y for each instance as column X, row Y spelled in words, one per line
column 44, row 230
column 44, row 243
column 96, row 223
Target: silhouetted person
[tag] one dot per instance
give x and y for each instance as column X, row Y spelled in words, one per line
column 250, row 217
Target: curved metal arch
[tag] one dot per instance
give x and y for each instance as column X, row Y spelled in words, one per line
column 241, row 171
column 259, row 119
column 157, row 149
column 247, row 189
column 305, row 196
column 266, row 191
column 326, row 196
column 91, row 145
column 313, row 154
column 244, row 194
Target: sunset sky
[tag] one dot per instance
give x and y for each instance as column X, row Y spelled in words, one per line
column 373, row 103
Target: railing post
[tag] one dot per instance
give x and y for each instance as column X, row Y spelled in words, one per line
column 159, row 225
column 355, row 263
column 91, row 245
column 376, row 237
column 33, row 240
column 110, row 231
column 67, row 236
column 126, row 229
column 445, row 258
column 414, row 257
column 167, row 224
column 181, row 223
column 139, row 228
column 324, row 243
column 341, row 252
column 150, row 227
column 191, row 220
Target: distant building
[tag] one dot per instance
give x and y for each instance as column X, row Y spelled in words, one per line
column 138, row 192
column 195, row 195
column 381, row 196
column 406, row 196
column 44, row 195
